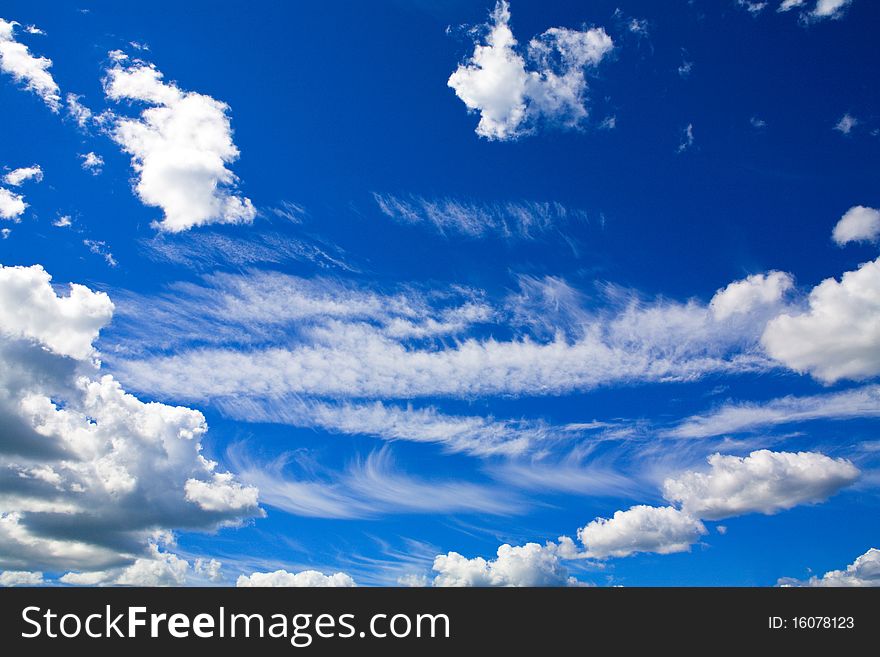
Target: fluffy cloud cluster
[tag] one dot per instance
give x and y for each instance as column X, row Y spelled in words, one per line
column 20, row 578
column 26, row 69
column 859, row 224
column 663, row 530
column 864, row 571
column 511, row 94
column 529, row 565
column 12, row 205
column 89, row 473
column 822, row 9
column 839, row 335
column 762, row 482
column 743, row 296
column 306, row 578
column 180, row 146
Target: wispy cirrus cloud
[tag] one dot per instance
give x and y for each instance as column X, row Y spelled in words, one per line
column 512, row 220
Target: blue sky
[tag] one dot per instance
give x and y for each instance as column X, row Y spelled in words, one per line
column 595, row 281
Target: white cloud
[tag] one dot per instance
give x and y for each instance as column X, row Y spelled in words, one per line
column 687, row 138
column 762, row 482
column 12, row 205
column 559, row 345
column 100, row 248
column 367, row 488
column 92, row 162
column 754, row 291
column 5, row 233
column 641, row 528
column 63, row 221
column 752, row 7
column 685, row 68
column 306, row 578
column 474, row 435
column 77, row 111
column 735, row 418
column 846, row 124
column 88, row 473
column 529, row 565
column 160, row 568
column 32, row 72
column 512, row 98
column 830, row 8
column 839, row 336
column 18, row 176
column 787, row 5
column 20, row 578
column 180, row 146
column 864, row 571
column 32, row 310
column 519, row 220
column 859, row 224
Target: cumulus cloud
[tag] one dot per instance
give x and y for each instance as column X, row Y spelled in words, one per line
column 306, row 578
column 839, row 335
column 864, row 571
column 514, row 93
column 89, row 473
column 12, row 205
column 859, row 224
column 26, row 69
column 20, row 578
column 762, row 482
column 18, row 176
column 745, row 295
column 180, row 147
column 159, row 568
column 687, row 138
column 528, row 565
column 92, row 162
column 641, row 528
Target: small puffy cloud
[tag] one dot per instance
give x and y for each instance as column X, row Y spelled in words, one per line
column 63, row 221
column 529, row 565
column 20, row 578
column 641, row 528
column 754, row 8
column 511, row 94
column 32, row 72
column 864, row 571
column 839, row 335
column 830, row 8
column 18, row 176
column 846, row 124
column 180, row 148
column 32, row 310
column 77, row 111
column 92, row 162
column 788, row 5
column 306, row 578
column 12, row 205
column 755, row 291
column 859, row 224
column 762, row 482
column 209, row 569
